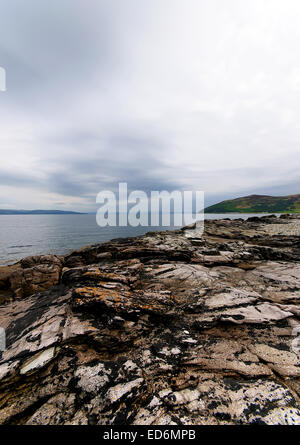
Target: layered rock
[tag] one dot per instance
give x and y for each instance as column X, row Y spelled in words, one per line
column 30, row 275
column 168, row 328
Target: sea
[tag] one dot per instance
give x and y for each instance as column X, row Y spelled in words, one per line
column 27, row 235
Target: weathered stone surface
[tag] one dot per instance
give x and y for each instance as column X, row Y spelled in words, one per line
column 35, row 274
column 167, row 328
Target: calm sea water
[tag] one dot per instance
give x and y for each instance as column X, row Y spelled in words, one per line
column 25, row 235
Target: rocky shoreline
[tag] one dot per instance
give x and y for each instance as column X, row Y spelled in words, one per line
column 169, row 328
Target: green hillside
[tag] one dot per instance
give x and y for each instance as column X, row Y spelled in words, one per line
column 258, row 204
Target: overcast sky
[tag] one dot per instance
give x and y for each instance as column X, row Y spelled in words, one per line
column 162, row 94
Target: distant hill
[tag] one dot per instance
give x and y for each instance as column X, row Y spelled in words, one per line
column 258, row 204
column 37, row 212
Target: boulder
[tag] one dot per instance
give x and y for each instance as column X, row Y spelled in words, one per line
column 36, row 274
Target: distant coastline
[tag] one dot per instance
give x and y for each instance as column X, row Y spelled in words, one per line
column 38, row 212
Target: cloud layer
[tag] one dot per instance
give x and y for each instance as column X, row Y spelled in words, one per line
column 203, row 94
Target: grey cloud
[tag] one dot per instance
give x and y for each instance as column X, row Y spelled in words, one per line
column 160, row 95
column 10, row 178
